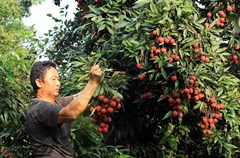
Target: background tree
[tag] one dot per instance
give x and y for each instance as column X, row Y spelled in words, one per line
column 16, row 46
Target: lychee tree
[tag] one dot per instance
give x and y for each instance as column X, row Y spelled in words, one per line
column 179, row 95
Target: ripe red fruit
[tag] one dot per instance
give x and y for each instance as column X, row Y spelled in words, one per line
column 175, row 95
column 170, row 100
column 170, row 60
column 117, row 100
column 212, row 126
column 160, row 39
column 210, row 120
column 98, row 108
column 166, row 40
column 141, row 77
column 177, row 101
column 100, row 129
column 222, row 14
column 179, row 107
column 102, row 124
column 113, row 103
column 195, row 45
column 91, row 109
column 202, row 126
column 191, row 81
column 196, row 97
column 209, row 132
column 235, row 57
column 204, row 120
column 237, row 47
column 173, row 78
column 204, row 131
column 154, row 48
column 118, row 106
column 138, row 65
column 105, row 130
column 103, row 111
column 180, row 115
column 202, row 58
column 196, row 50
column 206, row 59
column 154, row 33
column 110, row 110
column 176, row 58
column 229, row 8
column 209, row 14
column 186, row 90
column 100, row 97
column 231, row 58
column 152, row 55
column 174, row 113
column 109, row 119
column 171, row 41
column 163, row 50
column 235, row 62
column 106, row 100
column 157, row 51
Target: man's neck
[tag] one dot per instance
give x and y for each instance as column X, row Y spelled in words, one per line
column 46, row 98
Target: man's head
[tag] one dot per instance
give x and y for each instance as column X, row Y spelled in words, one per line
column 38, row 72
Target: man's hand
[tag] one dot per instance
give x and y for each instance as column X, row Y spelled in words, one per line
column 95, row 74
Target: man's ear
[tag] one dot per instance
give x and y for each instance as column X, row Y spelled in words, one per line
column 38, row 82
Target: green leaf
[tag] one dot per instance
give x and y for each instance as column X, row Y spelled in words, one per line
column 110, row 30
column 117, row 94
column 101, row 27
column 167, row 115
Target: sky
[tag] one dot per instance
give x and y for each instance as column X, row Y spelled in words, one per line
column 39, row 19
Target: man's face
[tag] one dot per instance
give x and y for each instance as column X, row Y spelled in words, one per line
column 51, row 83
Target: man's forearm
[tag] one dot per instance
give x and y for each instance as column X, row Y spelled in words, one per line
column 79, row 104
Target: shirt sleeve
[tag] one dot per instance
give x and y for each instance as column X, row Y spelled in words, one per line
column 46, row 113
column 64, row 101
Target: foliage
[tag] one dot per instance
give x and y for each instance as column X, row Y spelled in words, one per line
column 15, row 60
column 134, row 36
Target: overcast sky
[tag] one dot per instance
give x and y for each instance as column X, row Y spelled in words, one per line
column 42, row 23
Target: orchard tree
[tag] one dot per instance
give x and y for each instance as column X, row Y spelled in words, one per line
column 16, row 42
column 179, row 96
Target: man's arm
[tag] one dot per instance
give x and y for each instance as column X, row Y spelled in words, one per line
column 80, row 102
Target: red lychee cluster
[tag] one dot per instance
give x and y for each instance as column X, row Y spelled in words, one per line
column 221, row 15
column 209, row 120
column 161, row 44
column 201, row 54
column 173, row 58
column 234, row 57
column 192, row 89
column 174, row 102
column 103, row 110
column 145, row 96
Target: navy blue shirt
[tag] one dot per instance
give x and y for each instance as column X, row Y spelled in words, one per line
column 47, row 137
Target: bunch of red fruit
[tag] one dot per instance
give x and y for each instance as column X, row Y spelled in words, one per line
column 103, row 110
column 201, row 56
column 192, row 90
column 208, row 122
column 222, row 15
column 160, row 45
column 234, row 57
column 174, row 102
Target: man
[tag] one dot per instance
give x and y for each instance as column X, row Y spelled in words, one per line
column 48, row 116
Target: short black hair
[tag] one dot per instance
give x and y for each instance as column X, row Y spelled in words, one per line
column 38, row 71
